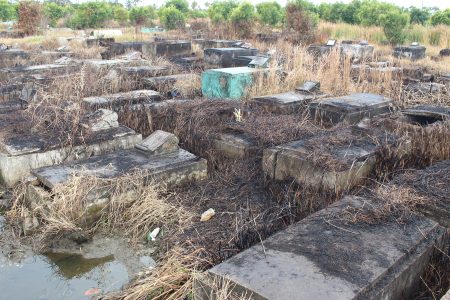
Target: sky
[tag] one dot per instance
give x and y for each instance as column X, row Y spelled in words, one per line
column 442, row 4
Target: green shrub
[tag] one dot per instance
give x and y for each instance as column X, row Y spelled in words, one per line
column 394, row 24
column 171, row 17
column 441, row 17
column 269, row 13
column 220, row 11
column 7, row 11
column 142, row 15
column 181, row 5
column 91, row 15
column 54, row 12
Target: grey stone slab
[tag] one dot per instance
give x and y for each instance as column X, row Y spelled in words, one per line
column 172, row 168
column 351, row 108
column 355, row 159
column 235, row 145
column 413, row 52
column 164, row 82
column 283, row 103
column 41, row 69
column 12, row 105
column 7, row 57
column 120, row 101
column 427, row 114
column 325, row 257
column 159, row 142
column 145, row 71
column 223, row 57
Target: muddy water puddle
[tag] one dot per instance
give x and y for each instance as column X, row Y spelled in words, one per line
column 69, row 272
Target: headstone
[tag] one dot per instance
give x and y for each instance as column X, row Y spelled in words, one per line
column 159, row 142
column 259, row 62
column 309, row 87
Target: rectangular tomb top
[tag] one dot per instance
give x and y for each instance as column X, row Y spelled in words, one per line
column 146, row 71
column 108, row 62
column 289, row 102
column 325, row 257
column 38, row 68
column 236, row 71
column 351, row 108
column 119, row 163
column 428, row 111
column 28, row 143
column 159, row 142
column 120, row 99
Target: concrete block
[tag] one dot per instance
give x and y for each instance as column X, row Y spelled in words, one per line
column 235, row 145
column 167, row 48
column 121, row 101
column 47, row 69
column 144, row 71
column 101, row 119
column 412, row 52
column 229, row 83
column 164, row 83
column 283, row 103
column 159, row 142
column 325, row 257
column 9, row 56
column 207, row 44
column 21, row 154
column 427, row 114
column 223, row 57
column 171, row 169
column 352, row 161
column 350, row 109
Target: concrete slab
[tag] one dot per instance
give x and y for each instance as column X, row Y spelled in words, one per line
column 159, row 142
column 229, row 83
column 164, row 83
column 120, row 101
column 350, row 109
column 219, row 43
column 8, row 56
column 223, row 57
column 322, row 161
column 427, row 114
column 283, row 103
column 325, row 257
column 235, row 145
column 413, row 52
column 173, row 168
column 109, row 63
column 167, row 48
column 12, row 105
column 46, row 69
column 21, row 154
column 144, row 71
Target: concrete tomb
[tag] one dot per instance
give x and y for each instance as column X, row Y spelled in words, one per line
column 120, row 101
column 46, row 69
column 427, row 114
column 22, row 153
column 144, row 71
column 158, row 155
column 229, row 83
column 167, row 48
column 8, row 56
column 350, row 109
column 413, row 52
column 326, row 257
column 336, row 160
column 234, row 144
column 164, row 83
column 224, row 57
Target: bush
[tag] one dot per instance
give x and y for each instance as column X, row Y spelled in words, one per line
column 121, row 14
column 142, row 15
column 243, row 17
column 220, row 11
column 370, row 12
column 91, row 15
column 171, row 17
column 54, row 12
column 30, row 17
column 7, row 11
column 301, row 23
column 394, row 24
column 441, row 17
column 269, row 13
column 181, row 5
column 419, row 16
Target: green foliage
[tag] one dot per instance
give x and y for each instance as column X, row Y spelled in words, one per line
column 269, row 13
column 198, row 13
column 171, row 17
column 394, row 24
column 441, row 17
column 91, row 15
column 243, row 13
column 181, row 5
column 7, row 11
column 371, row 10
column 120, row 14
column 419, row 16
column 142, row 15
column 220, row 11
column 55, row 12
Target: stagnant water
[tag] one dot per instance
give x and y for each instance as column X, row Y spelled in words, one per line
column 68, row 275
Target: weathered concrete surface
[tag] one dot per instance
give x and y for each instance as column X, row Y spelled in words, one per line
column 167, row 48
column 325, row 257
column 12, row 105
column 99, row 41
column 159, row 142
column 427, row 114
column 47, row 69
column 413, row 52
column 101, row 119
column 283, row 103
column 109, row 63
column 303, row 160
column 118, row 102
column 8, row 56
column 425, row 87
column 229, row 83
column 376, row 73
column 356, row 50
column 171, row 169
column 351, row 108
column 20, row 155
column 235, row 145
column 223, row 57
column 218, row 43
column 145, row 71
column 242, row 61
column 163, row 83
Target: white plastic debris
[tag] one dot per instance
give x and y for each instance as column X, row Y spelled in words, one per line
column 152, row 235
column 207, row 215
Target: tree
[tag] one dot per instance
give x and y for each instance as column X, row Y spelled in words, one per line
column 120, row 14
column 371, row 10
column 419, row 16
column 301, row 22
column 30, row 17
column 91, row 15
column 171, row 17
column 349, row 15
column 54, row 12
column 181, row 5
column 142, row 15
column 7, row 11
column 243, row 17
column 394, row 24
column 441, row 17
column 269, row 13
column 220, row 11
